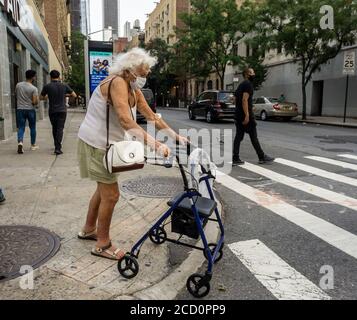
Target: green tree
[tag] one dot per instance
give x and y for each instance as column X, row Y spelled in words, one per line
column 297, row 27
column 212, row 30
column 161, row 80
column 76, row 74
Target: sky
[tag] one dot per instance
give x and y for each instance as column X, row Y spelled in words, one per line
column 130, row 10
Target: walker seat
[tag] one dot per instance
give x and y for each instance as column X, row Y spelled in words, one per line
column 204, row 206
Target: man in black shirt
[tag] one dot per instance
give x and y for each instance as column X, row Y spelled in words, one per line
column 245, row 119
column 56, row 92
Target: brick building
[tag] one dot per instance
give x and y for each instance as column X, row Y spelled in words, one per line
column 56, row 16
column 162, row 21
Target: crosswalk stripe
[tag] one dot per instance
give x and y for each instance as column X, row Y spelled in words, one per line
column 328, row 232
column 328, row 195
column 342, row 164
column 283, row 281
column 348, row 156
column 318, row 172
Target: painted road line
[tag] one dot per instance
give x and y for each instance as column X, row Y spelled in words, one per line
column 342, row 164
column 328, row 195
column 283, row 281
column 348, row 156
column 328, row 232
column 318, row 172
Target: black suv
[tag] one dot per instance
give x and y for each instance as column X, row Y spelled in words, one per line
column 213, row 105
column 150, row 99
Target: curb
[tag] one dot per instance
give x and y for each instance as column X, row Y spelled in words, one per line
column 173, row 109
column 175, row 282
column 332, row 124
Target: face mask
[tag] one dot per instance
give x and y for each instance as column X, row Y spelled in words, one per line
column 251, row 78
column 139, row 83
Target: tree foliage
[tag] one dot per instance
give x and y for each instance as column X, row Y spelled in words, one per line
column 160, row 79
column 212, row 30
column 294, row 26
column 76, row 74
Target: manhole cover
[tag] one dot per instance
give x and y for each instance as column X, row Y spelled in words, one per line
column 153, row 187
column 24, row 246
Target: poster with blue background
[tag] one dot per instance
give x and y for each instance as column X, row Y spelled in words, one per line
column 99, row 63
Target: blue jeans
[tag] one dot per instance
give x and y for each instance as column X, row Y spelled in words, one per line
column 30, row 116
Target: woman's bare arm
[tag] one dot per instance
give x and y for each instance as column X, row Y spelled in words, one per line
column 149, row 115
column 120, row 100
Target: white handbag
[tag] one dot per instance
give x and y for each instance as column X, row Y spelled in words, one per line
column 124, row 155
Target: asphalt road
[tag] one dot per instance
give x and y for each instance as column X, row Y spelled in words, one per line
column 286, row 225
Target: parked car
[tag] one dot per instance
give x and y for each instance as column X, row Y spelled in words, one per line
column 213, row 105
column 150, row 99
column 265, row 108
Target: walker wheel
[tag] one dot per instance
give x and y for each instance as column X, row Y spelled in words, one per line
column 213, row 247
column 128, row 266
column 198, row 286
column 158, row 236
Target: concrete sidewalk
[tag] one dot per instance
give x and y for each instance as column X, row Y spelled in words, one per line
column 330, row 121
column 46, row 191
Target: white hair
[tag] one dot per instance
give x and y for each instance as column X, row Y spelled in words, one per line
column 132, row 59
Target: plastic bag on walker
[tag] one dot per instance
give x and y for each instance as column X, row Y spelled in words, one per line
column 199, row 164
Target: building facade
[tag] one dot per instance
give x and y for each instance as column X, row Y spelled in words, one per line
column 25, row 44
column 57, row 21
column 111, row 16
column 79, row 16
column 162, row 21
column 127, row 30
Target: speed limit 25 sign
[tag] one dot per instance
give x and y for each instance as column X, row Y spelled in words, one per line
column 349, row 63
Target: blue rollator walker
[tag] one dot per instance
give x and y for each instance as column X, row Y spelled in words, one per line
column 189, row 211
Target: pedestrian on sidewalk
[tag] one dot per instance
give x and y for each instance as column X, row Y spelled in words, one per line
column 57, row 92
column 26, row 100
column 127, row 77
column 2, row 197
column 245, row 119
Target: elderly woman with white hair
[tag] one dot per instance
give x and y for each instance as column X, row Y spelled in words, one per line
column 127, row 77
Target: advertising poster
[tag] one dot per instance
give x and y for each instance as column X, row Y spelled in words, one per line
column 99, row 64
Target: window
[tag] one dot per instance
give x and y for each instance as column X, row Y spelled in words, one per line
column 210, row 85
column 248, row 51
column 235, row 50
column 260, row 101
column 217, row 84
column 226, row 97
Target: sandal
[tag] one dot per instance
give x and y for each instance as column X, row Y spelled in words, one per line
column 91, row 236
column 108, row 254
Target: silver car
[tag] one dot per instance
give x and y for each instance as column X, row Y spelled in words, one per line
column 265, row 108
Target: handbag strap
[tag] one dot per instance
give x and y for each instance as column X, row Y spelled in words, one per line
column 109, row 102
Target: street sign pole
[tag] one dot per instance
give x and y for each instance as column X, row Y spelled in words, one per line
column 346, row 99
column 349, row 63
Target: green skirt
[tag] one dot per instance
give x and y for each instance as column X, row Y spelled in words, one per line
column 91, row 165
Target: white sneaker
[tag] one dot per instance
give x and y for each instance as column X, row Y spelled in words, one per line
column 35, row 147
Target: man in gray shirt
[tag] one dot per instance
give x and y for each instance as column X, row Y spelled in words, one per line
column 27, row 99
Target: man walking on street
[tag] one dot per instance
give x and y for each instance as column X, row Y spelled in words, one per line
column 56, row 92
column 245, row 119
column 26, row 98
